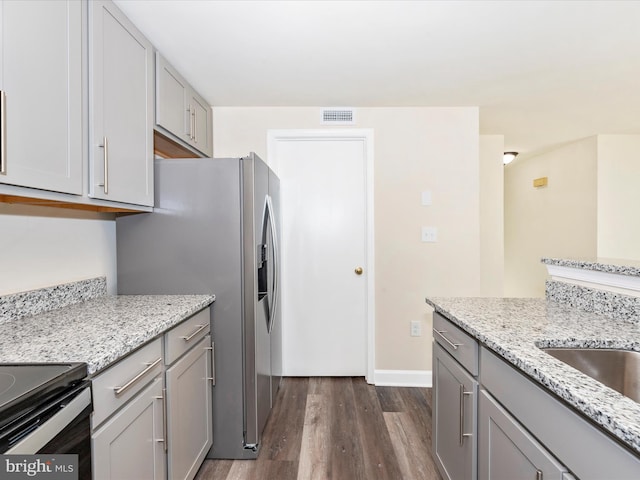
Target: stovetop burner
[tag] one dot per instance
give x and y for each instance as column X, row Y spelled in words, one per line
column 24, row 386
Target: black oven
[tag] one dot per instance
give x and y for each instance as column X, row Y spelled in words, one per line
column 46, row 409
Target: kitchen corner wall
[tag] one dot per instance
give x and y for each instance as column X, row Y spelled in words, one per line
column 491, row 215
column 558, row 220
column 43, row 246
column 416, row 149
column 619, row 196
column 587, row 210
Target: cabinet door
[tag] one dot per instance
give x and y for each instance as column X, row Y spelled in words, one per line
column 121, row 108
column 202, row 128
column 454, row 419
column 41, row 81
column 508, row 451
column 172, row 93
column 189, row 407
column 131, row 446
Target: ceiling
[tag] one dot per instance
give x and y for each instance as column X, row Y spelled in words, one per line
column 542, row 72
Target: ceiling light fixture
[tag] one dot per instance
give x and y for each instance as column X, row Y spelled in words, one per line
column 509, row 157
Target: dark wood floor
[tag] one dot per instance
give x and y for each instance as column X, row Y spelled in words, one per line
column 340, row 429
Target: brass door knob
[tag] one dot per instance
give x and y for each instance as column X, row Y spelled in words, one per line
column 358, row 271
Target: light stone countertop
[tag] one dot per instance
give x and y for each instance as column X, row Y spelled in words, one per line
column 98, row 331
column 515, row 328
column 607, row 265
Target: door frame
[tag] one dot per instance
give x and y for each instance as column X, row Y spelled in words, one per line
column 365, row 136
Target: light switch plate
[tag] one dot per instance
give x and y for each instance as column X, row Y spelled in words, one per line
column 426, row 197
column 429, row 234
column 416, row 328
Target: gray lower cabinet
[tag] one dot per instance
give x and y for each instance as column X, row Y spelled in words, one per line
column 155, row 423
column 180, row 111
column 507, row 451
column 585, row 450
column 120, row 108
column 522, row 431
column 454, row 417
column 41, row 90
column 189, row 411
column 131, row 445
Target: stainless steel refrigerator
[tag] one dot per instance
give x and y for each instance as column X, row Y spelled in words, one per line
column 215, row 230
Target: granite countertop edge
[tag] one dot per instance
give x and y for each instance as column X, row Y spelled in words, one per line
column 606, row 266
column 97, row 332
column 520, row 327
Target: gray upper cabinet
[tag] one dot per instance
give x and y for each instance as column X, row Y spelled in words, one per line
column 202, row 128
column 172, row 93
column 121, row 108
column 181, row 113
column 41, row 83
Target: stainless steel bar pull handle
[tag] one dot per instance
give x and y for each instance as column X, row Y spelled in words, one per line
column 164, row 419
column 189, row 119
column 538, row 474
column 453, row 345
column 3, row 133
column 462, row 395
column 212, row 373
column 194, row 333
column 105, row 157
column 120, row 390
column 192, row 126
column 195, row 126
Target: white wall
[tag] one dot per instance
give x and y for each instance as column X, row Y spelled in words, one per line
column 415, row 149
column 558, row 220
column 43, row 246
column 491, row 215
column 618, row 196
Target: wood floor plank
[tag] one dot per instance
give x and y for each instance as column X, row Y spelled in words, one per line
column 413, row 461
column 347, row 460
column 218, row 469
column 419, row 410
column 283, row 433
column 379, row 457
column 241, row 470
column 328, row 428
column 390, row 399
column 316, row 384
column 314, row 452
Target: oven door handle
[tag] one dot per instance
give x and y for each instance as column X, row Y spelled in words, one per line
column 52, row 427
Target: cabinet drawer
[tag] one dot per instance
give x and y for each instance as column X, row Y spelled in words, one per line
column 185, row 335
column 118, row 383
column 454, row 340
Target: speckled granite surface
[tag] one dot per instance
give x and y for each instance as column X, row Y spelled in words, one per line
column 98, row 331
column 36, row 301
column 514, row 328
column 610, row 304
column 619, row 266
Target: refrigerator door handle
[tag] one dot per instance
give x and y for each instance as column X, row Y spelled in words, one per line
column 273, row 305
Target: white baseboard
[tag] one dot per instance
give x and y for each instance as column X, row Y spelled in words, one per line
column 403, row 378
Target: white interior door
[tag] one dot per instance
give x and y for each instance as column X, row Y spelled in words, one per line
column 324, row 241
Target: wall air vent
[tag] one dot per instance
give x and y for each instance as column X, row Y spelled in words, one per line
column 338, row 116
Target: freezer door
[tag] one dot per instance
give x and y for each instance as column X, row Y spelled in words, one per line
column 276, row 319
column 257, row 345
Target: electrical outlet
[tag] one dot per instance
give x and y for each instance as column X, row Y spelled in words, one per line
column 416, row 328
column 429, row 234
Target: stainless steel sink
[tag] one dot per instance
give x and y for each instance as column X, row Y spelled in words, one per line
column 617, row 369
